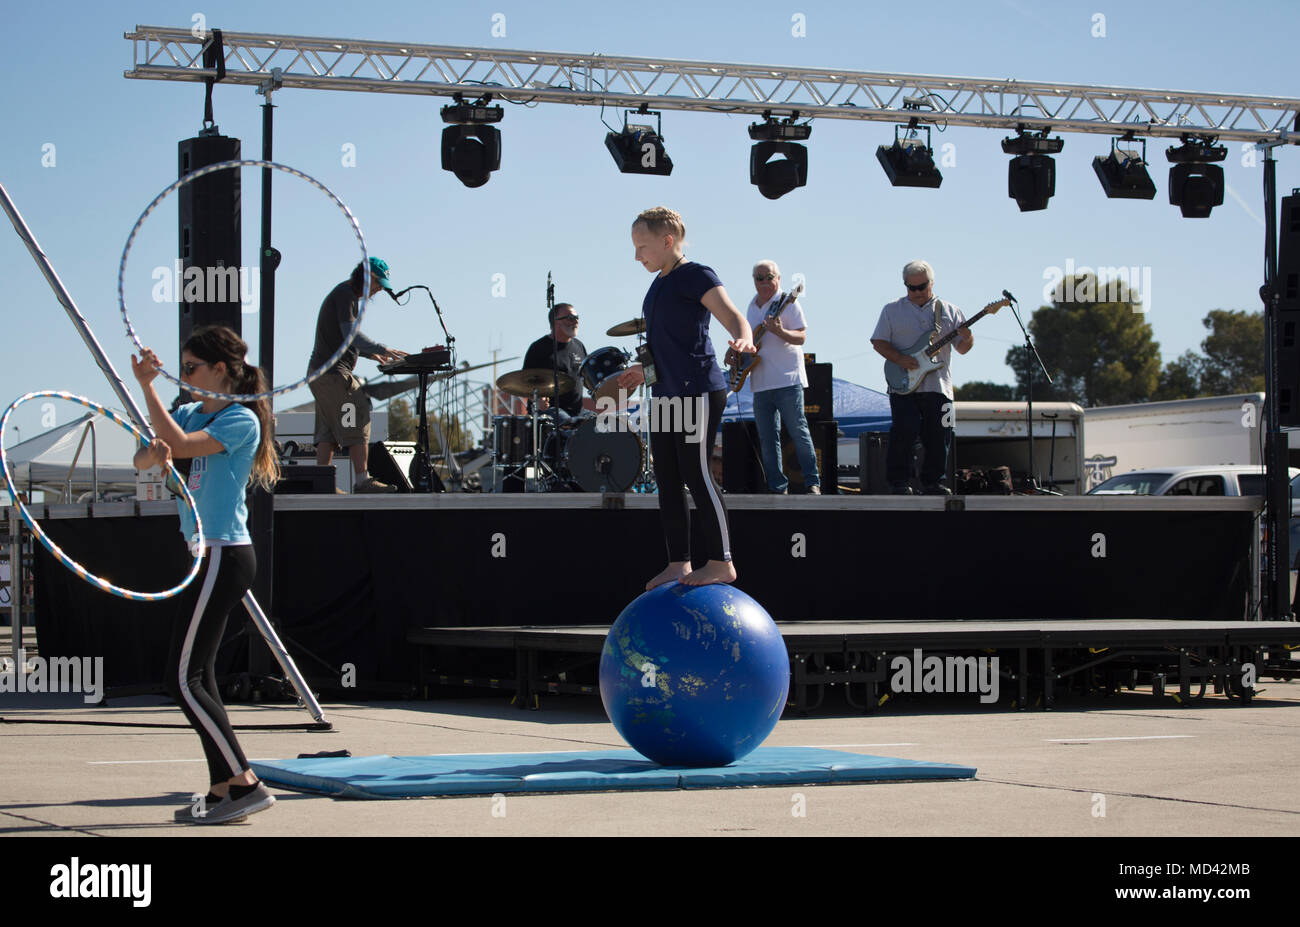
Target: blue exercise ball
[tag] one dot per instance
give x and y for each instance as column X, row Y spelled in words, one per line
column 694, row 675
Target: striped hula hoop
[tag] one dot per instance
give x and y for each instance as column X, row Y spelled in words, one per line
column 53, row 548
column 275, row 390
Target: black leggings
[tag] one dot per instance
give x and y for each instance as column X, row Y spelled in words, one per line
column 680, row 463
column 191, row 679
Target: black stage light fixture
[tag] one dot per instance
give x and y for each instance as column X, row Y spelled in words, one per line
column 1031, row 175
column 639, row 149
column 1195, row 184
column 909, row 162
column 1123, row 174
column 777, row 164
column 471, row 148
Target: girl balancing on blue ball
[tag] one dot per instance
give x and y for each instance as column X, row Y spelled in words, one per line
column 230, row 445
column 688, row 392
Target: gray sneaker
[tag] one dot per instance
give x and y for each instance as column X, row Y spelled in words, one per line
column 230, row 810
column 370, row 484
column 814, row 490
column 196, row 812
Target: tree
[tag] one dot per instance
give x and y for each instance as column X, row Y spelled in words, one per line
column 401, row 421
column 1234, row 353
column 1181, row 378
column 1098, row 353
column 983, row 391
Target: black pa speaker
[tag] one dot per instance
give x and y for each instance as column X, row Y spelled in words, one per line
column 826, row 445
column 209, row 230
column 818, row 397
column 742, row 469
column 1286, row 336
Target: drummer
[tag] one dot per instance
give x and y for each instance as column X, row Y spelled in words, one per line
column 560, row 348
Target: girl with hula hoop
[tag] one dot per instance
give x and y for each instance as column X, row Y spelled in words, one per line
column 683, row 298
column 231, row 445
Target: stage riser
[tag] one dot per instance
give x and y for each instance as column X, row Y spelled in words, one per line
column 349, row 584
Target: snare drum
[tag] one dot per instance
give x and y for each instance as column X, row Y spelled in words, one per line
column 600, row 372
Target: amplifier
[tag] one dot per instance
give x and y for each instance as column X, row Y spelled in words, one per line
column 305, row 479
column 826, row 444
column 742, row 469
column 818, row 397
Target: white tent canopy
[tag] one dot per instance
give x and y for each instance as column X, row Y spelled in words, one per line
column 43, row 462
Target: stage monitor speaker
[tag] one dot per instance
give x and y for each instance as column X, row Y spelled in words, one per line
column 209, row 212
column 304, row 479
column 819, row 396
column 742, row 469
column 826, row 444
column 390, row 462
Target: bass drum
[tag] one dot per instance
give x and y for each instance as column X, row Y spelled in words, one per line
column 603, row 453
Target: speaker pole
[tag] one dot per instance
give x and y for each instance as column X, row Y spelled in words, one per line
column 262, row 509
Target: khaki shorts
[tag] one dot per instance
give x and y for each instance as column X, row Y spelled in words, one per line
column 342, row 410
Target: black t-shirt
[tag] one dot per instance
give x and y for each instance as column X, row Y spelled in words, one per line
column 571, row 354
column 677, row 328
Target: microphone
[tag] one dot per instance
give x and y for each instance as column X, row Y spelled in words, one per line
column 1009, row 296
column 398, row 293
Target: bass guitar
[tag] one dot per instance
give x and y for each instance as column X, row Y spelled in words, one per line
column 739, row 366
column 926, row 354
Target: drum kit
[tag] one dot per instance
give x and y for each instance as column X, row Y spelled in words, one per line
column 603, row 451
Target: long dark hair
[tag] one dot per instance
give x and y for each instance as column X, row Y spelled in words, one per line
column 218, row 344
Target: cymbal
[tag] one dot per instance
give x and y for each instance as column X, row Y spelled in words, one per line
column 525, row 382
column 630, row 327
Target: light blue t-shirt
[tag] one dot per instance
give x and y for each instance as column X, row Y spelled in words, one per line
column 218, row 481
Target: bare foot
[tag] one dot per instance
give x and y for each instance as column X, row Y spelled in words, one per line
column 677, row 570
column 715, row 571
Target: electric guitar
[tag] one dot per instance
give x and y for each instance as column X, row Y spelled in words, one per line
column 739, row 366
column 927, row 354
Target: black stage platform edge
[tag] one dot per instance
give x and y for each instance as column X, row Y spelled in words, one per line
column 1045, row 655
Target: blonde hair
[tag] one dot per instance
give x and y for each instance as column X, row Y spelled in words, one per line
column 660, row 220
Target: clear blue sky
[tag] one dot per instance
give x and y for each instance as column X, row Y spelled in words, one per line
column 559, row 204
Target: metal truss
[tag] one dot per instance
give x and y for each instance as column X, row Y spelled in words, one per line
column 162, row 53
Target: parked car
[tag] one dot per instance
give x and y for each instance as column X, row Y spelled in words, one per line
column 1192, row 481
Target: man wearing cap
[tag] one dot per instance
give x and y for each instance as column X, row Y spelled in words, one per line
column 342, row 407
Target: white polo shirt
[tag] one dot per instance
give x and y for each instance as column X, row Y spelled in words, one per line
column 780, row 363
column 903, row 323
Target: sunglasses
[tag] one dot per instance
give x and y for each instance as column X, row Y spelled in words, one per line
column 765, row 277
column 918, row 287
column 189, row 367
column 568, row 318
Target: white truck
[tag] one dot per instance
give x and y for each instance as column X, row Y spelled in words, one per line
column 1218, row 430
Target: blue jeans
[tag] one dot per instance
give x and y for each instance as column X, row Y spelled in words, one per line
column 784, row 406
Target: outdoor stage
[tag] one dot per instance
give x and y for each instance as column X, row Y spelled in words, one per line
column 420, row 593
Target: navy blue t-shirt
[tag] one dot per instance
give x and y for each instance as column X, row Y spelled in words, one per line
column 677, row 329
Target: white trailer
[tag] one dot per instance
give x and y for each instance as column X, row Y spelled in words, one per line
column 1213, row 431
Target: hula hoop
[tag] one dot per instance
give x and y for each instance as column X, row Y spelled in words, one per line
column 53, row 548
column 276, row 390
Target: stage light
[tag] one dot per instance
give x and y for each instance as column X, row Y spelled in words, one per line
column 1123, row 174
column 1195, row 184
column 777, row 164
column 639, row 149
column 1031, row 175
column 909, row 162
column 471, row 148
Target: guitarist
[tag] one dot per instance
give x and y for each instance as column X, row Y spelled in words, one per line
column 779, row 379
column 923, row 412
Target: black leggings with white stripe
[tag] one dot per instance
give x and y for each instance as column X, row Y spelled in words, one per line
column 681, row 460
column 191, row 677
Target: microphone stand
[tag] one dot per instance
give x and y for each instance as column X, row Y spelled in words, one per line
column 555, row 376
column 1031, row 355
column 425, row 479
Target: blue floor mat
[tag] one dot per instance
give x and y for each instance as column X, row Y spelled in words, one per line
column 583, row 771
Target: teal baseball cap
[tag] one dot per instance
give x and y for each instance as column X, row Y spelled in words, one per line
column 379, row 271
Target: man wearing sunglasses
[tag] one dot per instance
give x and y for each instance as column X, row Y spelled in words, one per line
column 779, row 380
column 921, row 413
column 560, row 348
